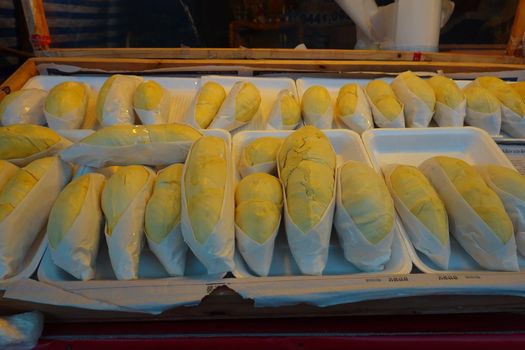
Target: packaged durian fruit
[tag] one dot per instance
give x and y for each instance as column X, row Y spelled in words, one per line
column 124, row 201
column 75, row 224
column 418, row 99
column 512, row 105
column 23, row 107
column 352, row 108
column 451, row 104
column 364, row 216
column 115, row 100
column 163, row 220
column 241, row 109
column 478, row 219
column 285, row 113
column 483, row 109
column 317, row 108
column 260, row 156
column 519, row 87
column 159, row 144
column 22, row 143
column 207, row 215
column 205, row 105
column 306, row 165
column 259, row 201
column 66, row 105
column 25, row 202
column 509, row 185
column 386, row 108
column 152, row 103
column 422, row 211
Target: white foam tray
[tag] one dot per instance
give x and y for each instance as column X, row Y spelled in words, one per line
column 268, row 87
column 149, row 266
column 348, row 146
column 182, row 89
column 412, row 147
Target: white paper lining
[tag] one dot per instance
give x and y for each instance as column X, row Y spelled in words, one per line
column 417, row 112
column 73, row 119
column 118, row 104
column 27, row 108
column 158, row 115
column 446, row 116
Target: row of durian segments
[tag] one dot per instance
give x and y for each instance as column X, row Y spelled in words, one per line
column 484, row 96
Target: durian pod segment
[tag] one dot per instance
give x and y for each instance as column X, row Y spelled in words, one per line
column 161, row 144
column 241, row 109
column 451, row 104
column 386, row 108
column 66, row 105
column 7, row 171
column 477, row 216
column 24, row 106
column 483, row 110
column 285, row 113
column 25, row 202
column 364, row 217
column 422, row 211
column 206, row 104
column 316, row 107
column 163, row 223
column 504, row 93
column 509, row 185
column 152, row 103
column 257, row 217
column 115, row 100
column 123, row 203
column 23, row 143
column 519, row 87
column 74, row 226
column 352, row 108
column 417, row 97
column 260, row 155
column 207, row 204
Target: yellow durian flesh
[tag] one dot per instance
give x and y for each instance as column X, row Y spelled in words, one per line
column 366, row 199
column 247, row 102
column 23, row 140
column 418, row 195
column 347, row 100
column 127, row 135
column 7, row 171
column 446, row 90
column 316, row 100
column 204, row 182
column 65, row 98
column 290, row 110
column 67, row 208
column 209, row 99
column 148, row 95
column 504, row 93
column 306, row 143
column 163, row 209
column 308, row 193
column 420, row 88
column 383, row 97
column 481, row 100
column 261, row 150
column 478, row 195
column 120, row 190
column 259, row 202
column 8, row 99
column 102, row 94
column 508, row 180
column 19, row 186
column 519, row 87
column 260, row 187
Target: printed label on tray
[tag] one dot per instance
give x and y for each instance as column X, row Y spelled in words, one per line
column 516, row 155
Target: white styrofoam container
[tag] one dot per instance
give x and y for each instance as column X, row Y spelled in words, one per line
column 412, row 147
column 348, row 146
column 31, row 261
column 182, row 89
column 268, row 87
column 149, row 266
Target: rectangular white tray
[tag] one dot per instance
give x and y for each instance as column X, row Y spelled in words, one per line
column 413, row 146
column 269, row 87
column 149, row 266
column 348, row 146
column 182, row 89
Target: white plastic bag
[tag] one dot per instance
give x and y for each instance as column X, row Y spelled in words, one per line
column 490, row 122
column 25, row 107
column 512, row 123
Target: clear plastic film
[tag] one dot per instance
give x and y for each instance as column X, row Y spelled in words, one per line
column 27, row 107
